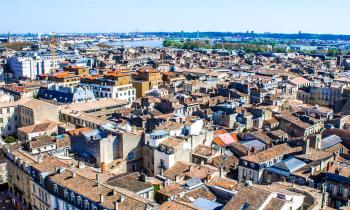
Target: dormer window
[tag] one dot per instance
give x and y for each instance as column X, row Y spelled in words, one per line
column 72, row 197
column 55, row 188
column 86, row 204
column 66, row 194
column 79, row 201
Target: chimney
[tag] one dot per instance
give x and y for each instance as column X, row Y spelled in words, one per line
column 98, row 179
column 122, row 198
column 306, row 146
column 101, row 198
column 114, row 192
column 40, row 159
column 335, row 156
column 103, row 167
column 312, row 169
column 318, row 138
column 74, row 174
column 208, row 178
column 162, row 172
column 116, row 205
column 220, row 172
column 337, row 171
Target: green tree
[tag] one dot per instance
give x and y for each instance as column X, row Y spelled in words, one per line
column 10, row 139
column 332, row 52
column 103, row 45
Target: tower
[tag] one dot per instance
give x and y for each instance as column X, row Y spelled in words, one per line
column 9, row 37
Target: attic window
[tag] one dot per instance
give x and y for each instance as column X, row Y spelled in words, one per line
column 86, row 204
column 66, row 194
column 245, row 206
column 55, row 188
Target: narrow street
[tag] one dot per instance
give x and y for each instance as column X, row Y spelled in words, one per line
column 5, row 202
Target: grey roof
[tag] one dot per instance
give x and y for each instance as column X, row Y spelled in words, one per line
column 159, row 132
column 193, row 182
column 287, row 166
column 330, row 141
column 207, row 204
column 258, row 145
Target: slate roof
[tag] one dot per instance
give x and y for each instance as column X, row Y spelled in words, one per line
column 207, row 204
column 193, row 182
column 287, row 166
column 258, row 145
column 330, row 141
column 58, row 96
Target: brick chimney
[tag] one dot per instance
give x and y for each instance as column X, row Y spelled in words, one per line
column 103, row 167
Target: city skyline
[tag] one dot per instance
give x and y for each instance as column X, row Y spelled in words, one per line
column 63, row 16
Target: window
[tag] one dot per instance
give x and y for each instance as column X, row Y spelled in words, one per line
column 55, row 188
column 93, row 207
column 79, row 201
column 245, row 163
column 72, row 197
column 86, row 204
column 66, row 194
column 34, row 188
column 340, row 189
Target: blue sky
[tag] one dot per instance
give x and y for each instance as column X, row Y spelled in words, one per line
column 286, row 16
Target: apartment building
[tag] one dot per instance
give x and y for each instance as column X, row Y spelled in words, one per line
column 36, row 111
column 251, row 167
column 111, row 85
column 169, row 152
column 63, row 79
column 146, row 79
column 61, row 183
column 9, row 118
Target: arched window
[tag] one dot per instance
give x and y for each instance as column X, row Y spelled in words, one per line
column 72, row 197
column 93, row 207
column 66, row 196
column 79, row 201
column 55, row 188
column 86, row 205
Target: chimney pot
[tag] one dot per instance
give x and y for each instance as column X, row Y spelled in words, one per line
column 116, row 205
column 122, row 198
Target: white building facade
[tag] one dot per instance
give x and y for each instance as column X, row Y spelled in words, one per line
column 124, row 92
